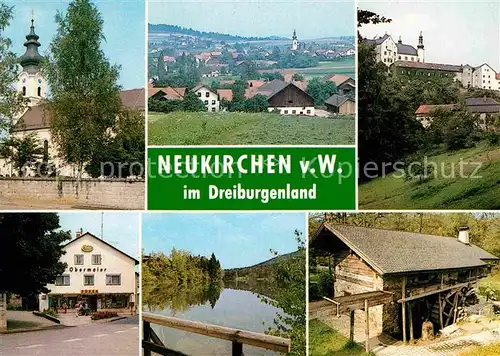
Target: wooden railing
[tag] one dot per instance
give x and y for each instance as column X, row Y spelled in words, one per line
column 152, row 343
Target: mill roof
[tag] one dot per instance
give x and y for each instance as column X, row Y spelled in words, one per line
column 393, row 252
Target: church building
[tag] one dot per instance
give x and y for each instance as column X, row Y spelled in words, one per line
column 36, row 119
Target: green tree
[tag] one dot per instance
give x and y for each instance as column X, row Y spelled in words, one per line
column 30, row 253
column 320, row 90
column 191, row 102
column 24, row 153
column 298, row 77
column 12, row 103
column 84, row 98
column 161, row 71
column 258, row 103
column 122, row 154
column 290, row 275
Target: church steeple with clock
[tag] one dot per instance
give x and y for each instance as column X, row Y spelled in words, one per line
column 31, row 82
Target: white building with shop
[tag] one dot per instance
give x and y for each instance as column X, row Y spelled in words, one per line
column 97, row 273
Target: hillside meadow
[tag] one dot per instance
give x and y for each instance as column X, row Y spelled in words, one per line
column 225, row 128
column 481, row 193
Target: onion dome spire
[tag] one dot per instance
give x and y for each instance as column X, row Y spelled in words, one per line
column 31, row 59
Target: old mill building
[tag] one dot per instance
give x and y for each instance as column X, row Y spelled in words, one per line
column 404, row 278
column 97, row 273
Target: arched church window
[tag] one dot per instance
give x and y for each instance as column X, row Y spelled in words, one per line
column 39, row 91
column 24, row 90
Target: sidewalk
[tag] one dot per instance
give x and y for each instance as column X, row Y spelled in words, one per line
column 23, row 321
column 443, row 348
column 70, row 319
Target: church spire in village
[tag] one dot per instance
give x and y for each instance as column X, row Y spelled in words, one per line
column 31, row 59
column 31, row 82
column 420, row 41
column 295, row 42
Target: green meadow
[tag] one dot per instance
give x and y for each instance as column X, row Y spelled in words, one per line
column 229, row 128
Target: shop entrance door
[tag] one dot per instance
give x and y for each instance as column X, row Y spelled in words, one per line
column 92, row 301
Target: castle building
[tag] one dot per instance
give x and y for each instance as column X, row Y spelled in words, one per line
column 295, row 42
column 389, row 51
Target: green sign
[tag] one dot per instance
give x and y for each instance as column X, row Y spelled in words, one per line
column 251, row 178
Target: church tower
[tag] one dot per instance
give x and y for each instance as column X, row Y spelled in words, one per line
column 420, row 48
column 295, row 43
column 30, row 81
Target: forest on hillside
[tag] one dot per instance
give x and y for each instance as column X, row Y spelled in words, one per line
column 163, row 28
column 263, row 270
column 179, row 280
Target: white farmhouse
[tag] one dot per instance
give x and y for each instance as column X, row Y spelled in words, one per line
column 209, row 98
column 97, row 273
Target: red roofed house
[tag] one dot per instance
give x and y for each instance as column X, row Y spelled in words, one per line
column 226, row 94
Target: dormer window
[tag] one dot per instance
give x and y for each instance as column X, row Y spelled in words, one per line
column 39, row 91
column 24, row 90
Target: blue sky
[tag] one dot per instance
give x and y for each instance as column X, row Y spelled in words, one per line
column 238, row 240
column 455, row 32
column 312, row 19
column 120, row 229
column 124, row 24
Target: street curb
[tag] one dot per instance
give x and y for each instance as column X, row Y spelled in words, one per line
column 48, row 317
column 18, row 331
column 101, row 321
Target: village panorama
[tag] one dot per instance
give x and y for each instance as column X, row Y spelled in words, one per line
column 207, row 87
column 68, row 144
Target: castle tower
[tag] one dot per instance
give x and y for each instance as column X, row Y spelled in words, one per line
column 30, row 81
column 420, row 48
column 295, row 43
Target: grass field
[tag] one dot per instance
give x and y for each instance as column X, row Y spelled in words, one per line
column 324, row 341
column 481, row 193
column 490, row 350
column 201, row 128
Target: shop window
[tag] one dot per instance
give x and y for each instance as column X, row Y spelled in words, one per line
column 113, row 279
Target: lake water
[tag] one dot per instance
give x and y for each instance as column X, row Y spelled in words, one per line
column 233, row 308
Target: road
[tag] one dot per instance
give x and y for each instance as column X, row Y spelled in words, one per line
column 119, row 337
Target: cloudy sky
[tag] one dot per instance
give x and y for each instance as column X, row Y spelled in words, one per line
column 455, row 32
column 311, row 18
column 124, row 25
column 238, row 240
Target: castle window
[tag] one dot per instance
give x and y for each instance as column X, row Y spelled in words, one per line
column 39, row 91
column 24, row 90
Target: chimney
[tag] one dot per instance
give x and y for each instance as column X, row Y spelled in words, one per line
column 463, row 235
column 79, row 233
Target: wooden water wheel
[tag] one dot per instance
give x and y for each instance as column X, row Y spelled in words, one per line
column 447, row 310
